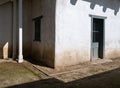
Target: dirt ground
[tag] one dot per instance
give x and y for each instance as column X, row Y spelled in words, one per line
column 97, row 74
column 12, row 73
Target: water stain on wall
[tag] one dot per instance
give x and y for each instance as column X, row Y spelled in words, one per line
column 71, row 57
column 113, row 53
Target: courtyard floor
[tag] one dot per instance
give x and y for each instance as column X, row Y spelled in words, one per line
column 96, row 74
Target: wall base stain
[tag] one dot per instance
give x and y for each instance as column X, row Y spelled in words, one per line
column 72, row 57
column 112, row 53
column 45, row 56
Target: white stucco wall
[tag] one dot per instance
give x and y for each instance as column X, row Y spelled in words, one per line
column 73, row 29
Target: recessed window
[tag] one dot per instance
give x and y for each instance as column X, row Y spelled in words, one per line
column 37, row 28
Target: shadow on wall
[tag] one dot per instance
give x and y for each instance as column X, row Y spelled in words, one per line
column 111, row 4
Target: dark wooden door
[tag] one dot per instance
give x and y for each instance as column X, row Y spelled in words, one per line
column 97, row 38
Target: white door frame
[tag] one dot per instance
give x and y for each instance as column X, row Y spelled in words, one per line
column 99, row 17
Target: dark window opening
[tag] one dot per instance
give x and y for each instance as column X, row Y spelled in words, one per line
column 98, row 30
column 37, row 32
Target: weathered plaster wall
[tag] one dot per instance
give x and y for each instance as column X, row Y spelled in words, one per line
column 6, row 30
column 27, row 28
column 73, row 29
column 44, row 50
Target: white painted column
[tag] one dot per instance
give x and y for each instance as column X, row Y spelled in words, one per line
column 20, row 57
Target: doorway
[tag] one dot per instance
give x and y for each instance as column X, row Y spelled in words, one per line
column 97, row 38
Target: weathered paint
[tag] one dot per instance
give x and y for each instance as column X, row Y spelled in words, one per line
column 44, row 50
column 73, row 29
column 27, row 28
column 71, row 57
column 6, row 30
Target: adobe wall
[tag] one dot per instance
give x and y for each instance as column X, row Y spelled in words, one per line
column 44, row 50
column 73, row 29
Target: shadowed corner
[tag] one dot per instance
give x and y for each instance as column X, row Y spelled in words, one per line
column 111, row 4
column 73, row 2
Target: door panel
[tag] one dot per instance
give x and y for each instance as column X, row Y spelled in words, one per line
column 6, row 30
